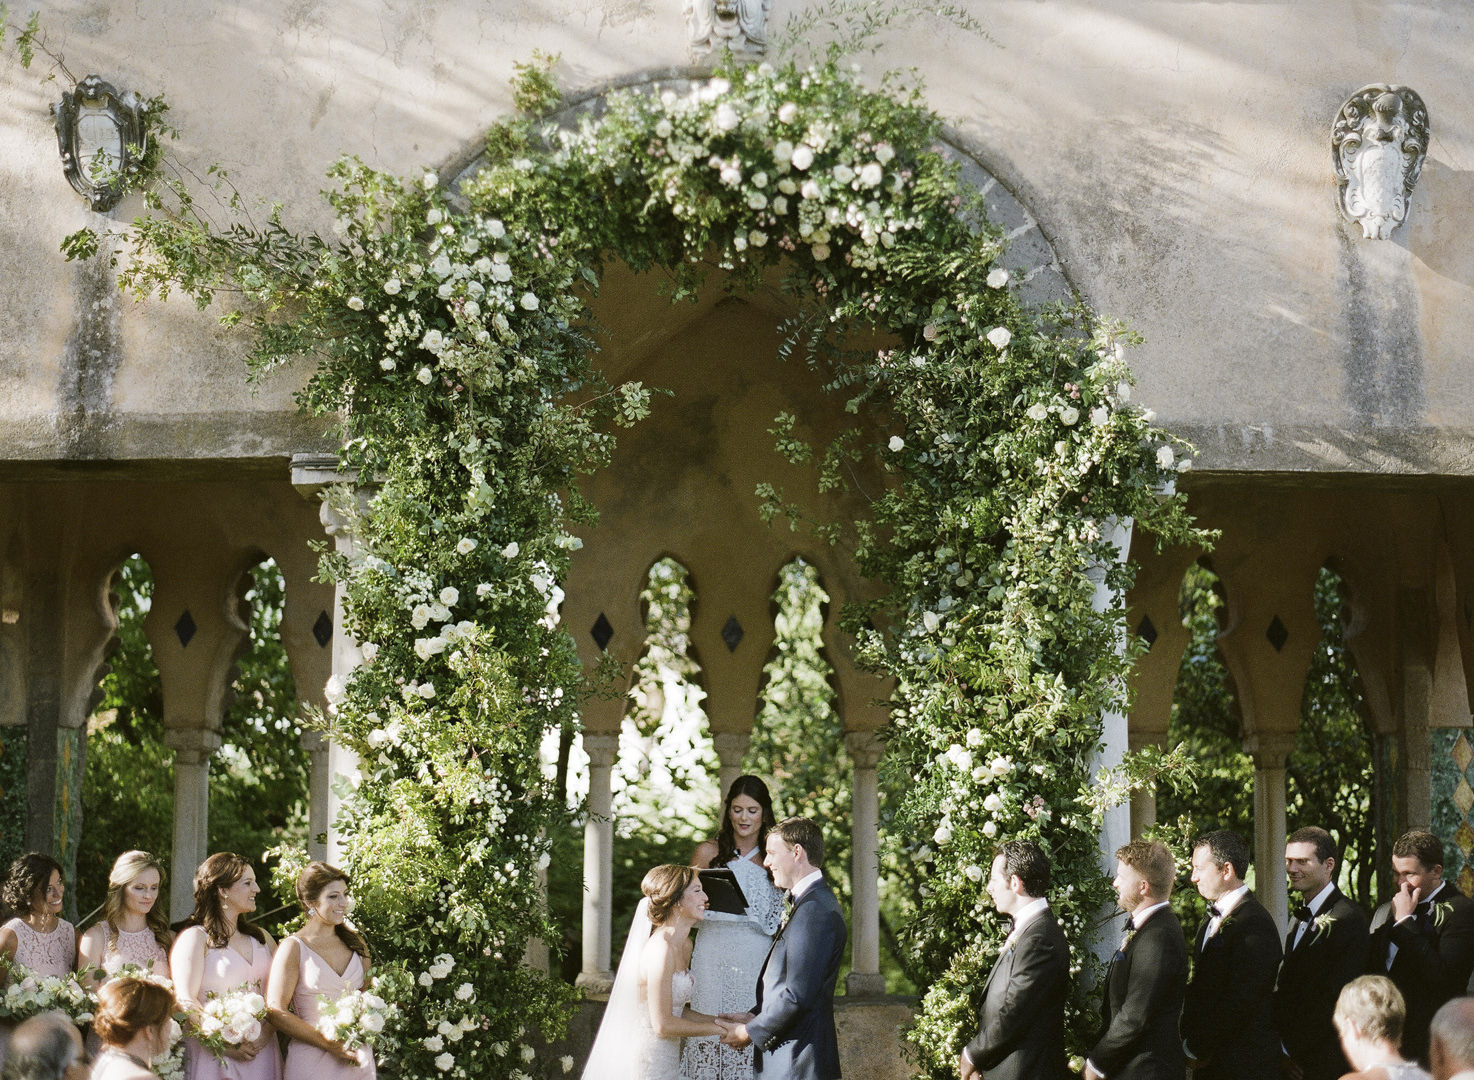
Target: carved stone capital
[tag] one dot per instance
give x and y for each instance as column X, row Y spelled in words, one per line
column 601, row 747
column 731, row 746
column 192, row 745
column 1269, row 749
column 865, row 747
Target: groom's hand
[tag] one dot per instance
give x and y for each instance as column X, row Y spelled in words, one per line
column 736, row 1018
column 736, row 1035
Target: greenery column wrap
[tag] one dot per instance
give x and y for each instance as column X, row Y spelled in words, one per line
column 452, row 338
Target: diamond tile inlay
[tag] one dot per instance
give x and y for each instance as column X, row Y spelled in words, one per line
column 732, row 633
column 1464, row 837
column 1462, row 752
column 185, row 628
column 1464, row 797
column 1277, row 634
column 602, row 632
column 323, row 629
column 1146, row 631
column 1466, row 880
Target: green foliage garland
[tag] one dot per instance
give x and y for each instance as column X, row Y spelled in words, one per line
column 451, row 335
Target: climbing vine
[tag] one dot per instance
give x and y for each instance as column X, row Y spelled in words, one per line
column 451, row 337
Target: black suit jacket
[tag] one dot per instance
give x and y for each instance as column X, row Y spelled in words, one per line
column 1021, row 1034
column 1143, row 1001
column 793, row 1031
column 1227, row 1022
column 1435, row 955
column 1328, row 957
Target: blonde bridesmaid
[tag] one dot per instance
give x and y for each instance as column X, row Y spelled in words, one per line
column 132, row 929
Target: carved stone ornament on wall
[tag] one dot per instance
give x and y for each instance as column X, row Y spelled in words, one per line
column 100, row 134
column 716, row 25
column 1378, row 144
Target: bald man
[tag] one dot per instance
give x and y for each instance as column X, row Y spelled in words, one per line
column 46, row 1047
column 1451, row 1040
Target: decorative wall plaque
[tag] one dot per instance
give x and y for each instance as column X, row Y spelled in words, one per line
column 100, row 135
column 737, row 25
column 1378, row 144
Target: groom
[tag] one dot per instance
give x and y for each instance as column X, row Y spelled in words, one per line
column 792, row 1024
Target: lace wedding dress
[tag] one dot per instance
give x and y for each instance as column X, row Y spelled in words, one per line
column 627, row 1047
column 729, row 954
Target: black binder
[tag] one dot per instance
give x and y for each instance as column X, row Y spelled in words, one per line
column 722, row 891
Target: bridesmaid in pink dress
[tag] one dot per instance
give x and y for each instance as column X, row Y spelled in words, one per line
column 221, row 950
column 132, row 929
column 39, row 939
column 325, row 959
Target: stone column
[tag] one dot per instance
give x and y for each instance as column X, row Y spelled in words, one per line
column 598, row 863
column 731, row 747
column 1143, row 800
column 319, row 777
column 865, row 979
column 341, row 761
column 192, row 750
column 1269, row 751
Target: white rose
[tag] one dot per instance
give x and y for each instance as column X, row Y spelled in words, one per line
column 997, row 277
column 974, row 873
column 425, row 375
column 526, row 1053
column 567, row 1062
column 440, row 266
column 943, row 835
column 1123, row 389
column 974, row 737
column 392, row 286
column 426, row 690
column 484, row 590
column 1165, row 457
column 369, row 650
column 783, row 151
column 931, row 620
column 726, row 117
column 529, row 301
column 466, row 545
column 1068, row 415
column 990, row 828
column 433, row 341
column 884, row 152
column 444, row 1062
column 464, row 991
column 843, row 173
column 430, row 180
column 780, row 205
column 663, row 129
column 820, row 252
column 757, row 238
column 897, row 444
column 993, row 803
column 1100, row 416
column 730, row 175
column 787, row 112
column 810, row 190
column 386, row 364
column 501, row 272
column 1000, row 336
column 871, row 174
column 1001, row 766
column 1037, row 411
column 450, row 596
column 496, row 228
column 355, row 303
column 803, row 157
column 371, row 1022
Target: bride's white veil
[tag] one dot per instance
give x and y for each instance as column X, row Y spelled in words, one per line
column 616, row 1051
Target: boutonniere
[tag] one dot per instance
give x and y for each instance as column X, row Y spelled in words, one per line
column 1320, row 926
column 1439, row 912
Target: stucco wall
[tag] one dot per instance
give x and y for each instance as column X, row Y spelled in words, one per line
column 1177, row 154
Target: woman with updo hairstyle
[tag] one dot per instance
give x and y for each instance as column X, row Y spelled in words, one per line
column 135, row 1021
column 221, row 950
column 649, row 1010
column 132, row 930
column 325, row 959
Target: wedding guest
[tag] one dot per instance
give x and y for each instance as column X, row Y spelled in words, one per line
column 1325, row 948
column 1451, row 1040
column 1227, row 1025
column 319, row 963
column 134, row 1020
column 221, row 950
column 1147, row 976
column 132, row 929
column 1370, row 1013
column 46, row 1047
column 730, row 949
column 38, row 939
column 1423, row 938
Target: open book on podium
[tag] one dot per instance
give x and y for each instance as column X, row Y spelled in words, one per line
column 722, row 891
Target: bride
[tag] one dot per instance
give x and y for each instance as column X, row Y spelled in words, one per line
column 649, row 1008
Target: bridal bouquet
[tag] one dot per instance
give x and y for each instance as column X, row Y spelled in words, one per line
column 29, row 994
column 355, row 1019
column 230, row 1019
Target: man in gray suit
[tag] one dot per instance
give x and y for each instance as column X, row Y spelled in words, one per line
column 792, row 1025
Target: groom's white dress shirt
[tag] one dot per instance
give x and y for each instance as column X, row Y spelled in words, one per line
column 805, row 885
column 1315, row 906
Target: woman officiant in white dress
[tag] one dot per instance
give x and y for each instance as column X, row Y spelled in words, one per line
column 730, row 949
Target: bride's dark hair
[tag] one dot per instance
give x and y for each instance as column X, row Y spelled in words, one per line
column 665, row 885
column 756, row 790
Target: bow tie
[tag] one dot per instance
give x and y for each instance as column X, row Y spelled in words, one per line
column 1303, row 913
column 1214, row 912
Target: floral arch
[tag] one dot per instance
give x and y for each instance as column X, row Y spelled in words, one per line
column 451, row 331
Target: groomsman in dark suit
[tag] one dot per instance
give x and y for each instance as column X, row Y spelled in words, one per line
column 1021, row 1035
column 1147, row 976
column 1227, row 1026
column 1423, row 939
column 1325, row 949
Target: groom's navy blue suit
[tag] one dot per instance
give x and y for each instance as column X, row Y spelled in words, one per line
column 793, row 1029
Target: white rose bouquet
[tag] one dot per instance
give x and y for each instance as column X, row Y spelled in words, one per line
column 29, row 994
column 230, row 1019
column 355, row 1019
